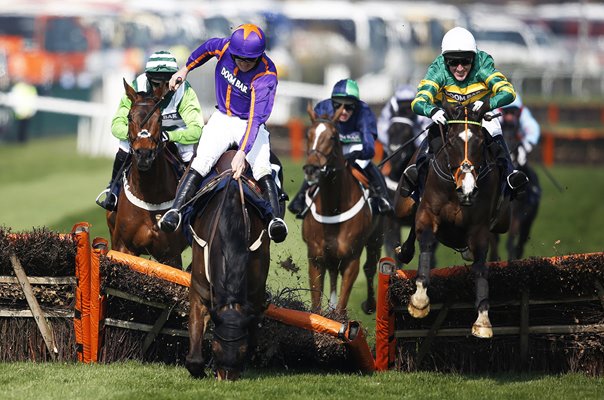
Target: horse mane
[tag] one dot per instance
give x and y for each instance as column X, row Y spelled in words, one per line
column 230, row 283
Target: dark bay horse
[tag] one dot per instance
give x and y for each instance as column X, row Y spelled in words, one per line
column 524, row 208
column 460, row 206
column 149, row 186
column 340, row 223
column 231, row 256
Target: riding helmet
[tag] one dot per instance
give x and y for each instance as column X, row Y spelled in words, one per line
column 161, row 65
column 248, row 41
column 346, row 89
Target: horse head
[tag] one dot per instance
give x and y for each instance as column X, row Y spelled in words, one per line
column 464, row 149
column 323, row 148
column 230, row 342
column 145, row 125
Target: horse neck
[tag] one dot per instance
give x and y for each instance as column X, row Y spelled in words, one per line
column 155, row 182
column 339, row 191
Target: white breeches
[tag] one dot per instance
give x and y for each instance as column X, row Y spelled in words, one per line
column 349, row 148
column 186, row 151
column 219, row 133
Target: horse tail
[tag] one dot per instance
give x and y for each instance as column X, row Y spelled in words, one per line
column 232, row 284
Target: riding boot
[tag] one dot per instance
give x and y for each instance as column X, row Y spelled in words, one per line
column 378, row 184
column 112, row 191
column 187, row 189
column 277, row 229
column 411, row 174
column 298, row 204
column 516, row 179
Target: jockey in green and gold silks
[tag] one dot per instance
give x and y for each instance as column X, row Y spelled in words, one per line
column 484, row 83
column 463, row 74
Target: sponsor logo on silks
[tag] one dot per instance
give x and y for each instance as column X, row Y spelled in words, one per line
column 232, row 80
column 170, row 116
column 351, row 138
column 461, row 97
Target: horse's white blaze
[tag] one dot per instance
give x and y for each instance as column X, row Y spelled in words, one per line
column 144, row 134
column 468, row 183
column 465, row 135
column 321, row 128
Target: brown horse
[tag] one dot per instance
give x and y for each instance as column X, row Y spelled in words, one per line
column 340, row 223
column 149, row 187
column 460, row 206
column 231, row 256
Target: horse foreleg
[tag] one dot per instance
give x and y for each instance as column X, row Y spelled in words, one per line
column 482, row 326
column 406, row 251
column 316, row 275
column 419, row 303
column 369, row 268
column 349, row 276
column 333, row 288
column 198, row 319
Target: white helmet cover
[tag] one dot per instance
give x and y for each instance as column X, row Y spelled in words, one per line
column 458, row 40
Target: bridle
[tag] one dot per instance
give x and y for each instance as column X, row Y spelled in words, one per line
column 325, row 166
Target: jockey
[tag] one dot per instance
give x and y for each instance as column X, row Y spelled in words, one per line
column 520, row 118
column 182, row 120
column 464, row 74
column 246, row 83
column 358, row 131
column 399, row 106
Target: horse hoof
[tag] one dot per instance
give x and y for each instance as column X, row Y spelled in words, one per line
column 368, row 309
column 418, row 312
column 483, row 332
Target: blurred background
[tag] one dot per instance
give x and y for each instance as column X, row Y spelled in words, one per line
column 62, row 62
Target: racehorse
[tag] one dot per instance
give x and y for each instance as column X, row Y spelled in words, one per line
column 400, row 138
column 524, row 208
column 340, row 223
column 231, row 256
column 149, row 186
column 461, row 204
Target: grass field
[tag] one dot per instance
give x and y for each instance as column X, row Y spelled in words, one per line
column 45, row 183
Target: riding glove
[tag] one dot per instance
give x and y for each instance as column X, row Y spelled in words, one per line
column 482, row 107
column 438, row 116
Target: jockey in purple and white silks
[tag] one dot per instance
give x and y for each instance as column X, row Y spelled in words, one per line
column 246, row 83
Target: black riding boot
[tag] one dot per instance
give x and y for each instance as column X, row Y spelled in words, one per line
column 187, row 189
column 377, row 182
column 277, row 229
column 112, row 191
column 298, row 204
column 516, row 179
column 410, row 181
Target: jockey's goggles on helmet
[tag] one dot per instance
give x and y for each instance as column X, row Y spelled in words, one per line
column 244, row 59
column 347, row 106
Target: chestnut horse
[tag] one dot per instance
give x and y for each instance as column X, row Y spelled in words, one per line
column 461, row 204
column 231, row 256
column 340, row 223
column 149, row 186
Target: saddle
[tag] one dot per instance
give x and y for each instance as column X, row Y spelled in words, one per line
column 215, row 182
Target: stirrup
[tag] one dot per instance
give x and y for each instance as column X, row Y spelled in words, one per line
column 109, row 202
column 517, row 179
column 166, row 226
column 384, row 206
column 409, row 184
column 278, row 225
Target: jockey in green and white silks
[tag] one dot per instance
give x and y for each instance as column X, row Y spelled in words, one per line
column 182, row 119
column 462, row 74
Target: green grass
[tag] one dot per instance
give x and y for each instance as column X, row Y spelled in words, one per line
column 134, row 381
column 45, row 183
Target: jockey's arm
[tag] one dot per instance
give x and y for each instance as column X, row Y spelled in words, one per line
column 190, row 111
column 529, row 127
column 119, row 124
column 368, row 128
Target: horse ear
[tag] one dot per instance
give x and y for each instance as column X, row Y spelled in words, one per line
column 336, row 115
column 130, row 92
column 311, row 112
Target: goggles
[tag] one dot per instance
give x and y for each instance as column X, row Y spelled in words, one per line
column 244, row 59
column 347, row 107
column 454, row 62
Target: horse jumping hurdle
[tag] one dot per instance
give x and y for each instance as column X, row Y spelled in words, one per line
column 547, row 315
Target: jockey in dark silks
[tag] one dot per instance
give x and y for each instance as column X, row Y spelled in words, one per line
column 358, row 131
column 246, row 83
column 463, row 74
column 182, row 120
